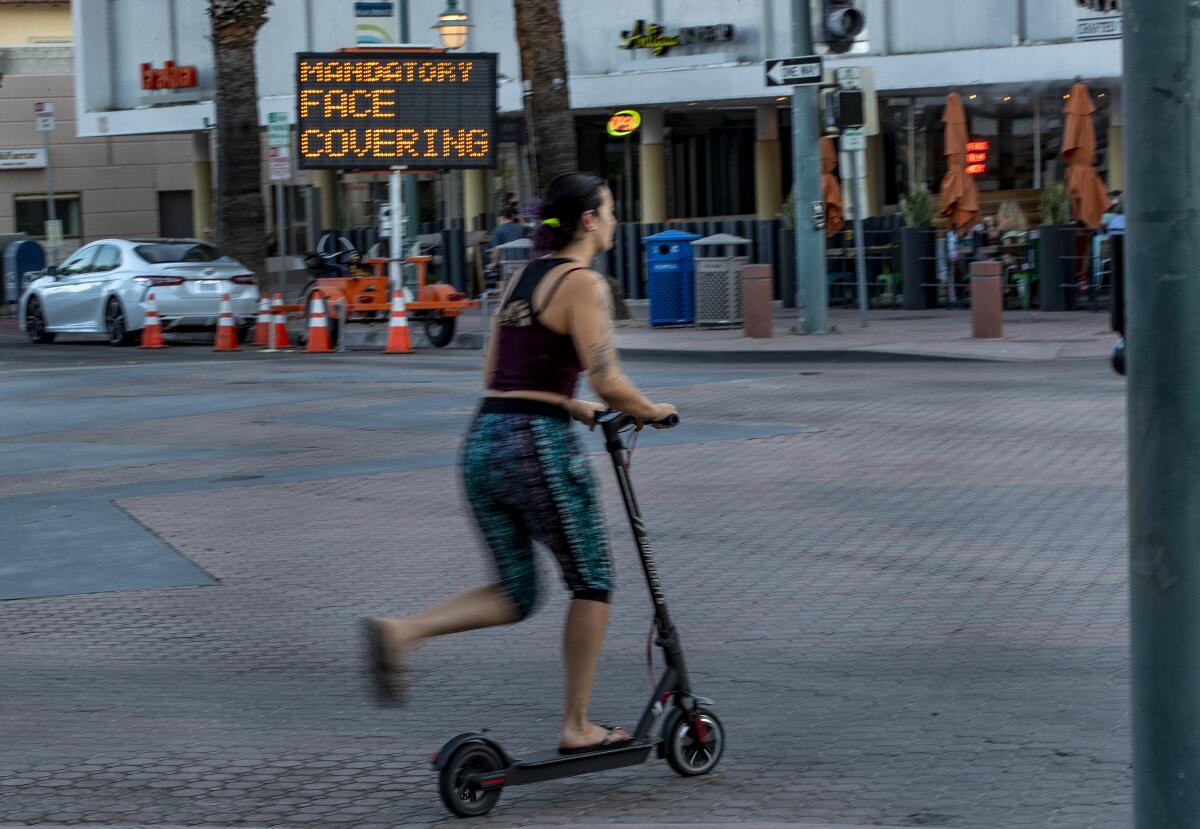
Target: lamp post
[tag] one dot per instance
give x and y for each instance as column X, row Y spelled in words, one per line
column 452, row 26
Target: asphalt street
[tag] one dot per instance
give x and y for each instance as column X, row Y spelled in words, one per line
column 903, row 584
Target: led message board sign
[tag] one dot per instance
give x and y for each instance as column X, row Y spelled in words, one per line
column 374, row 110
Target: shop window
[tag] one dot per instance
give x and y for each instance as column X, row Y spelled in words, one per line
column 1007, row 126
column 31, row 214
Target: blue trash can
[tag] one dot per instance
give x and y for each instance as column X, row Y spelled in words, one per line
column 670, row 272
column 20, row 261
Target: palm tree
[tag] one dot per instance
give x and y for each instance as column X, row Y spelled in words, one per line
column 240, row 226
column 548, row 104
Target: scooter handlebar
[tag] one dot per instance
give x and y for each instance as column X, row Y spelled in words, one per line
column 614, row 421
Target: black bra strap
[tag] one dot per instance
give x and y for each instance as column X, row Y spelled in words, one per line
column 553, row 288
column 529, row 278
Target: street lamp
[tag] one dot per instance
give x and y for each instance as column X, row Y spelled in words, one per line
column 452, row 26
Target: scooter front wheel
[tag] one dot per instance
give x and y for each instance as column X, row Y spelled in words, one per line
column 460, row 784
column 693, row 743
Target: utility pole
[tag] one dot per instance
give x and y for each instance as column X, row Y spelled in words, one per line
column 411, row 204
column 1161, row 84
column 812, row 289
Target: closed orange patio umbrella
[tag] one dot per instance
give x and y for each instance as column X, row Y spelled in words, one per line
column 831, row 188
column 1089, row 198
column 959, row 199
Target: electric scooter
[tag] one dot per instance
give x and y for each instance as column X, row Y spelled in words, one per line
column 473, row 769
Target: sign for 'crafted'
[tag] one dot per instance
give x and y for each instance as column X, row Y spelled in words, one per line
column 375, row 110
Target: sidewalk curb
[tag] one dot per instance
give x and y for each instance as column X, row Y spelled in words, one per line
column 843, row 355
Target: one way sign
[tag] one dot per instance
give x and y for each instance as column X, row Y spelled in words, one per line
column 792, row 71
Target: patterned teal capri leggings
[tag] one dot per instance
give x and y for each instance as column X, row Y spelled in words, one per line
column 527, row 479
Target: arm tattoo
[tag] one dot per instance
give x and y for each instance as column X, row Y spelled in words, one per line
column 603, row 354
column 603, row 359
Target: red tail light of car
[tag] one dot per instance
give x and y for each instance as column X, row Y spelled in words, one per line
column 245, row 279
column 159, row 281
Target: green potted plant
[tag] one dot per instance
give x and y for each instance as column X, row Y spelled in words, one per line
column 918, row 250
column 1056, row 239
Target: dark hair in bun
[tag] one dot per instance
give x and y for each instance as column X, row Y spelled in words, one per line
column 566, row 200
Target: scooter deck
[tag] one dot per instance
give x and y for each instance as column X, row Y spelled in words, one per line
column 549, row 765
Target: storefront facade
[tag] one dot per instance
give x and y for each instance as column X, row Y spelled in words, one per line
column 713, row 138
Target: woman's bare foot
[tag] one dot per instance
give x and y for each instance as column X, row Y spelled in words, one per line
column 398, row 638
column 590, row 736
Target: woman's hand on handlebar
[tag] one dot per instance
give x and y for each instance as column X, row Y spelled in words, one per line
column 661, row 418
column 586, row 411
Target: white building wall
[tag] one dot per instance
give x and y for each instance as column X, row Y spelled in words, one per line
column 915, row 44
column 117, row 178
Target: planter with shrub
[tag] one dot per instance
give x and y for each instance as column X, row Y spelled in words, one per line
column 1056, row 246
column 918, row 251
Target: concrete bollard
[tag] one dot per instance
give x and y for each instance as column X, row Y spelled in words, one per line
column 758, row 316
column 987, row 300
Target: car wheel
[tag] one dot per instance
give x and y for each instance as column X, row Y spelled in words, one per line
column 35, row 323
column 116, row 326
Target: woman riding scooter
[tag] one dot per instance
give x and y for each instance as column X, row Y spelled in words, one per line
column 526, row 476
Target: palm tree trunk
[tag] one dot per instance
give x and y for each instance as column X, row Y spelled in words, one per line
column 240, row 227
column 548, row 104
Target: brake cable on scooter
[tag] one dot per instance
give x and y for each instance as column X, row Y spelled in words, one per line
column 649, row 634
column 629, row 452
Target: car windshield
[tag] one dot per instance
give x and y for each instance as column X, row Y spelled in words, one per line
column 160, row 253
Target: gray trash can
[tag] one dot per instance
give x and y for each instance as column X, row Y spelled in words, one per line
column 719, row 279
column 513, row 256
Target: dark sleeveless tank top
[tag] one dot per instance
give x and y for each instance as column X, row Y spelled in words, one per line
column 529, row 356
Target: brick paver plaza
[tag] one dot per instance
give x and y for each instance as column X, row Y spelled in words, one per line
column 903, row 584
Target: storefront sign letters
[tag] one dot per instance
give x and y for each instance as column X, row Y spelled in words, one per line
column 624, row 123
column 169, row 77
column 22, row 158
column 1098, row 28
column 652, row 36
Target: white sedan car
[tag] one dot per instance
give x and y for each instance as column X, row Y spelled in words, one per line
column 102, row 289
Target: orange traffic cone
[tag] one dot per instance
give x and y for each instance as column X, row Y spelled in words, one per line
column 152, row 329
column 398, row 341
column 262, row 326
column 279, row 320
column 318, row 327
column 227, row 336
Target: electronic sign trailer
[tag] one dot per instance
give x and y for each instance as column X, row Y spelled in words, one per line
column 397, row 109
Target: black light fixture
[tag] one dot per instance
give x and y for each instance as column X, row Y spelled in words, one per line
column 452, row 26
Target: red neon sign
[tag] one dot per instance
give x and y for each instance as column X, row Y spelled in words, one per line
column 977, row 156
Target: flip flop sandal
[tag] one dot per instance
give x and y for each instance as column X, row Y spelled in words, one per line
column 607, row 742
column 387, row 688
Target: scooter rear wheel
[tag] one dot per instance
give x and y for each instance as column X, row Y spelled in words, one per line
column 459, row 793
column 688, row 753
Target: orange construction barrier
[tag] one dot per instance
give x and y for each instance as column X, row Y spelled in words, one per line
column 279, row 320
column 262, row 325
column 318, row 328
column 227, row 335
column 398, row 341
column 152, row 329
